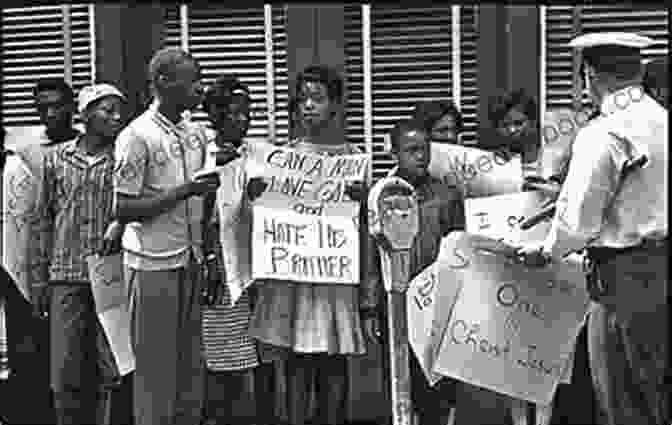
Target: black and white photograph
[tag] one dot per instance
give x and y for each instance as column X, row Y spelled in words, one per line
column 220, row 213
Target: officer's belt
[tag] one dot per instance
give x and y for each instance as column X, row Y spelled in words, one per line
column 602, row 254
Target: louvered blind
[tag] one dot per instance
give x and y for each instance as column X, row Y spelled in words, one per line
column 468, row 72
column 354, row 75
column 33, row 47
column 232, row 41
column 651, row 21
column 411, row 62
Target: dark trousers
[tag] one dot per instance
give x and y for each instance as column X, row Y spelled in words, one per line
column 574, row 403
column 229, row 398
column 28, row 353
column 628, row 338
column 166, row 338
column 318, row 380
column 83, row 370
column 121, row 402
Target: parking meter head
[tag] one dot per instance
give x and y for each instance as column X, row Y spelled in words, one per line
column 394, row 213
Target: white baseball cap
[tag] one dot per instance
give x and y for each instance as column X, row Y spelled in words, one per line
column 623, row 39
column 90, row 94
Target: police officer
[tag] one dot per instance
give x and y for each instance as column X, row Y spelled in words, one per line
column 613, row 203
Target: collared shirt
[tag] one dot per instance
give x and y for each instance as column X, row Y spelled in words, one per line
column 153, row 156
column 591, row 211
column 74, row 209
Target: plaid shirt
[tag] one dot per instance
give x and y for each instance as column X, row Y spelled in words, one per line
column 74, row 211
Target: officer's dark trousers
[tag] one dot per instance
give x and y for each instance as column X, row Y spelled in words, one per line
column 82, row 367
column 628, row 339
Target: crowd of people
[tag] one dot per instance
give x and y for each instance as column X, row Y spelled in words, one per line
column 199, row 359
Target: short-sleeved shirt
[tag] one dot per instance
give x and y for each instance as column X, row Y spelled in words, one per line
column 154, row 156
column 596, row 207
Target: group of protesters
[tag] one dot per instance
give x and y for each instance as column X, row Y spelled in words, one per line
column 201, row 359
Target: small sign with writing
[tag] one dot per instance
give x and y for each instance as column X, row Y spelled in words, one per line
column 19, row 203
column 477, row 172
column 430, row 298
column 111, row 300
column 305, row 226
column 513, row 327
column 499, row 216
column 320, row 247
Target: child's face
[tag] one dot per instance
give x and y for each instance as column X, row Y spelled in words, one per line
column 414, row 153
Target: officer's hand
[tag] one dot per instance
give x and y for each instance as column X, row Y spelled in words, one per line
column 40, row 299
column 532, row 256
column 357, row 191
column 255, row 188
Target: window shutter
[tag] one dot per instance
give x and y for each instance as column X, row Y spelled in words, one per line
column 33, row 47
column 281, row 72
column 561, row 25
column 232, row 41
column 411, row 62
column 354, row 76
column 468, row 73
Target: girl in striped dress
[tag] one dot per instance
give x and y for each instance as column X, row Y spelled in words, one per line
column 230, row 352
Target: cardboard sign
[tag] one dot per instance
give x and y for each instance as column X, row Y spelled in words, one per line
column 111, row 300
column 305, row 228
column 512, row 327
column 476, row 171
column 430, row 298
column 498, row 217
column 18, row 214
column 302, row 247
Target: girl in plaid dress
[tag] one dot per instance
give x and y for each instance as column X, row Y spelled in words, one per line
column 230, row 352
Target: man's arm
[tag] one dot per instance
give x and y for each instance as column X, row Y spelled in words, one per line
column 132, row 158
column 586, row 192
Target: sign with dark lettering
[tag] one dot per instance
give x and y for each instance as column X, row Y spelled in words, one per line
column 111, row 300
column 304, row 226
column 429, row 296
column 477, row 172
column 512, row 328
column 20, row 191
column 499, row 216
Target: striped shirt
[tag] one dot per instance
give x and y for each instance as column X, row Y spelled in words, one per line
column 75, row 209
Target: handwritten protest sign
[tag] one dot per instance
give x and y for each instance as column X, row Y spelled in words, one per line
column 512, row 327
column 304, row 225
column 18, row 214
column 477, row 172
column 430, row 298
column 111, row 300
column 498, row 217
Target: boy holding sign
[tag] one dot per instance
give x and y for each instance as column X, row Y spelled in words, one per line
column 311, row 326
column 441, row 210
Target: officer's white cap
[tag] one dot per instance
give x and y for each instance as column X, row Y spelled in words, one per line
column 623, row 39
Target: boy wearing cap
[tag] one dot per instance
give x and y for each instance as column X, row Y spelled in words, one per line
column 613, row 203
column 75, row 211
